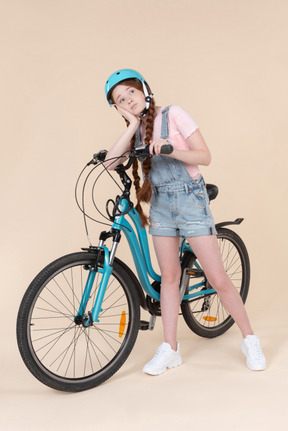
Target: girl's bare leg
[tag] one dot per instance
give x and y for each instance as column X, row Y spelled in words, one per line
column 207, row 251
column 167, row 252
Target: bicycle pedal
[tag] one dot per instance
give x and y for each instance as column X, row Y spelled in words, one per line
column 143, row 325
column 195, row 272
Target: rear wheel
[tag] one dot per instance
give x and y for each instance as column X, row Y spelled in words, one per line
column 206, row 315
column 62, row 353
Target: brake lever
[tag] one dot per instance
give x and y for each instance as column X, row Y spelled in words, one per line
column 98, row 157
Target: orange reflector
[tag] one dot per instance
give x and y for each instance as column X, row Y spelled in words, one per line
column 210, row 318
column 122, row 324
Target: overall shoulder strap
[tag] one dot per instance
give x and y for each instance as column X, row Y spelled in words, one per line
column 165, row 121
column 138, row 142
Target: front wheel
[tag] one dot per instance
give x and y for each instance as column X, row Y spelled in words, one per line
column 205, row 314
column 62, row 353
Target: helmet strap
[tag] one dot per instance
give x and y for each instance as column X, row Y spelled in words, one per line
column 148, row 98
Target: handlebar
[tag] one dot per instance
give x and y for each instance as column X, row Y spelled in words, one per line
column 143, row 152
column 98, row 157
column 140, row 153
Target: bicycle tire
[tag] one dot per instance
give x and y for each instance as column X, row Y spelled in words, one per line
column 206, row 316
column 58, row 352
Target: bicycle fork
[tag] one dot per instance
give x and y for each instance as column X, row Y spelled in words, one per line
column 106, row 271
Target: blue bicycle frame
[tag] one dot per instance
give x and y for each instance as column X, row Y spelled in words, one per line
column 140, row 251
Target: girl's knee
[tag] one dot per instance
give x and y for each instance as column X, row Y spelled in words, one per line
column 170, row 276
column 221, row 283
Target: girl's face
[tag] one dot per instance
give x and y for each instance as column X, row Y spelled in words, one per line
column 129, row 98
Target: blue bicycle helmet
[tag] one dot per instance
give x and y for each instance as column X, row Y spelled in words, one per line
column 125, row 75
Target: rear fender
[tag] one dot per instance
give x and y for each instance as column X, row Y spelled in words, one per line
column 226, row 223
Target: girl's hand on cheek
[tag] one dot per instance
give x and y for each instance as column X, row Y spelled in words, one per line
column 127, row 115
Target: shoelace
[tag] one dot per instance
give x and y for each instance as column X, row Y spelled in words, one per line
column 160, row 352
column 255, row 349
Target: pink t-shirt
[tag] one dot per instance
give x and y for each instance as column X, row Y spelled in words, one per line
column 181, row 125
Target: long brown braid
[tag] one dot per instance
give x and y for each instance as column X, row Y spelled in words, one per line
column 144, row 193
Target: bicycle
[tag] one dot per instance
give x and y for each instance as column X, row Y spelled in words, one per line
column 79, row 318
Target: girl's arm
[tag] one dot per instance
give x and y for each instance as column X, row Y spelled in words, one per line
column 198, row 154
column 124, row 142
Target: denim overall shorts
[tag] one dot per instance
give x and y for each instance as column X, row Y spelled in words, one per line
column 179, row 205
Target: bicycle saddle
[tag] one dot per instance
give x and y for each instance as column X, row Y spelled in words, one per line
column 212, row 191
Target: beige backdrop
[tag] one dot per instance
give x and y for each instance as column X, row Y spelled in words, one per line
column 224, row 61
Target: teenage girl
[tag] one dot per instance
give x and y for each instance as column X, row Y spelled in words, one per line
column 179, row 206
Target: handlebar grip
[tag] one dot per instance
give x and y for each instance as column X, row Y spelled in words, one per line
column 144, row 152
column 166, row 149
column 98, row 157
column 101, row 155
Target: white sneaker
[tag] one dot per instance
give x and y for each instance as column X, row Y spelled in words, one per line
column 255, row 359
column 165, row 358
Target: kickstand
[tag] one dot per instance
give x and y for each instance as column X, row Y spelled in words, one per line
column 152, row 322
